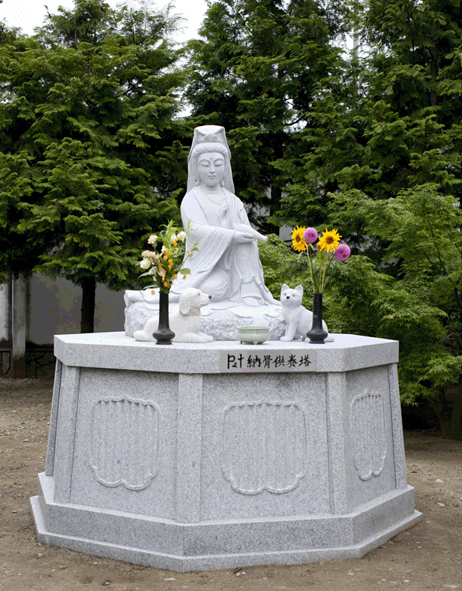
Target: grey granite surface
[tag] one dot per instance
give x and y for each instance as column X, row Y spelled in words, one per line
column 157, row 457
column 117, row 351
column 212, row 545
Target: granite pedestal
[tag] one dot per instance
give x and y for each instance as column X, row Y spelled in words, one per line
column 195, row 457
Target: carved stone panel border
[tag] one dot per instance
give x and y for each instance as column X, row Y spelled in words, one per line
column 263, row 446
column 367, row 423
column 124, row 442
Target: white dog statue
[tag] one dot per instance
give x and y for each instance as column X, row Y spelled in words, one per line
column 185, row 324
column 297, row 318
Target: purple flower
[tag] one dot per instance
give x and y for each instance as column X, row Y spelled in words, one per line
column 310, row 235
column 343, row 252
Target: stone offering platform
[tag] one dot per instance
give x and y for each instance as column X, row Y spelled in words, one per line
column 194, row 457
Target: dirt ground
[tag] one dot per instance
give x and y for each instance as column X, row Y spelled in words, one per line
column 427, row 557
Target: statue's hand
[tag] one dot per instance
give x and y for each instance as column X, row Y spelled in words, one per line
column 242, row 237
column 249, row 230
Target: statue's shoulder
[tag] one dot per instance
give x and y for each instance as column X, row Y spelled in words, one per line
column 192, row 197
column 232, row 197
column 195, row 195
column 194, row 192
column 228, row 193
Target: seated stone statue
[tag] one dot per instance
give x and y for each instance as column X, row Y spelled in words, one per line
column 227, row 264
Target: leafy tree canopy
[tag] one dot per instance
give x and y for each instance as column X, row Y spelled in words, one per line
column 392, row 119
column 255, row 71
column 422, row 306
column 90, row 143
column 381, row 160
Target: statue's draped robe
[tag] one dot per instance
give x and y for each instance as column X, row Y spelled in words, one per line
column 228, row 271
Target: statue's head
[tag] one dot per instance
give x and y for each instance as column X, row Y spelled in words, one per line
column 209, row 139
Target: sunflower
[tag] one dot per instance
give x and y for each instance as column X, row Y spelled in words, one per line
column 329, row 240
column 298, row 242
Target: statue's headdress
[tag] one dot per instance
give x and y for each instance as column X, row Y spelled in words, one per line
column 209, row 138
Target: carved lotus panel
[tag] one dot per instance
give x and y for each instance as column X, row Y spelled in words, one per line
column 369, row 435
column 263, row 447
column 125, row 442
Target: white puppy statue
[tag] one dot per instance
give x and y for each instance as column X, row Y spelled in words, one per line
column 185, row 324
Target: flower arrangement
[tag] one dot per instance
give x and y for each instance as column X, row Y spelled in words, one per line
column 165, row 265
column 320, row 256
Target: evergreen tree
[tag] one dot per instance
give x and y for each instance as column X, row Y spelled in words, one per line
column 88, row 137
column 255, row 71
column 392, row 119
column 386, row 141
column 412, row 131
column 422, row 306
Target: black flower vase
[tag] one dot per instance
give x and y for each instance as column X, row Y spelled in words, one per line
column 163, row 334
column 317, row 334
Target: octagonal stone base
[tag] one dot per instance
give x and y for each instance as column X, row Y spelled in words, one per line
column 195, row 457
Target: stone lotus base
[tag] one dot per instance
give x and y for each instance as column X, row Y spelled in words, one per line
column 221, row 323
column 194, row 457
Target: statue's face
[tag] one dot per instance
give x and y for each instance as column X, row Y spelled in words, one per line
column 211, row 167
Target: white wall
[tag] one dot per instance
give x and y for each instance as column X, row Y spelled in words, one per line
column 54, row 308
column 285, row 233
column 5, row 319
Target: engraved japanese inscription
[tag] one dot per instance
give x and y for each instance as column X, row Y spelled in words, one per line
column 369, row 436
column 283, row 361
column 263, row 446
column 124, row 442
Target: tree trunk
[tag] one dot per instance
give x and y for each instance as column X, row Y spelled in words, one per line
column 449, row 415
column 455, row 422
column 18, row 326
column 434, row 74
column 87, row 318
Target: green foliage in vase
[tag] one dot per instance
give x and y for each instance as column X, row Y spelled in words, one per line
column 282, row 265
column 349, row 301
column 90, row 148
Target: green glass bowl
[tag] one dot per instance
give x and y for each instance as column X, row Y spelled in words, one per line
column 254, row 335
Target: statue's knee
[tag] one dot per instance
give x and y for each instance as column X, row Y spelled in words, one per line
column 216, row 284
